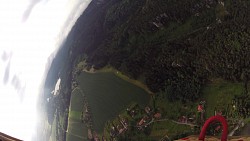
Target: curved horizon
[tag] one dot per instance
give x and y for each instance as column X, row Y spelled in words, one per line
column 31, row 32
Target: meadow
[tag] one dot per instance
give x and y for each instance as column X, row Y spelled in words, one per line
column 76, row 131
column 108, row 95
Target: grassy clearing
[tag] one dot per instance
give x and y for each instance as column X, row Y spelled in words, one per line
column 168, row 128
column 182, row 29
column 53, row 130
column 72, row 137
column 76, row 131
column 219, row 94
column 76, row 103
column 126, row 78
column 108, row 95
column 173, row 110
column 75, row 114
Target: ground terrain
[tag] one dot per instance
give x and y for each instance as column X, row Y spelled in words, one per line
column 172, row 55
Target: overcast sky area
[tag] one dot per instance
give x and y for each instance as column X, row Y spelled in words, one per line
column 30, row 31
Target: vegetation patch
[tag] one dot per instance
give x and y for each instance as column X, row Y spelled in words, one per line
column 53, row 131
column 108, row 95
column 169, row 129
column 219, row 95
column 76, row 130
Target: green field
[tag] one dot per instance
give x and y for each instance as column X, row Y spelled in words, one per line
column 219, row 93
column 53, row 131
column 168, row 128
column 108, row 95
column 76, row 129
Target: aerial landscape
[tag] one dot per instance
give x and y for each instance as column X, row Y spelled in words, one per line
column 150, row 70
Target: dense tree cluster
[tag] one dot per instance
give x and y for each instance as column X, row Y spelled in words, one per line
column 175, row 46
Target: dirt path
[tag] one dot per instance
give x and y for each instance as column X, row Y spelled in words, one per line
column 180, row 123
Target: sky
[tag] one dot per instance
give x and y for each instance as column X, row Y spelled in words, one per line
column 30, row 32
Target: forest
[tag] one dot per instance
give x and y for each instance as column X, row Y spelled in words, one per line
column 172, row 46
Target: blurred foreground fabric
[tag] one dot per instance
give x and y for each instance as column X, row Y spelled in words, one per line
column 196, row 138
column 4, row 137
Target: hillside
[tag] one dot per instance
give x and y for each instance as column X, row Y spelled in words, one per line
column 172, row 46
column 183, row 51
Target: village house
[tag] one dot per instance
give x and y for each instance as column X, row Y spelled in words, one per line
column 124, row 122
column 147, row 110
column 183, row 119
column 132, row 110
column 113, row 132
column 120, row 129
column 142, row 121
column 157, row 115
column 200, row 108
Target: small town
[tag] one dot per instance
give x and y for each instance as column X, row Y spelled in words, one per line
column 147, row 115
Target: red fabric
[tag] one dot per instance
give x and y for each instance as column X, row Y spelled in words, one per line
column 184, row 138
column 209, row 121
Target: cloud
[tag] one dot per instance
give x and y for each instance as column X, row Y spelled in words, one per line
column 6, row 74
column 17, row 84
column 29, row 9
column 4, row 56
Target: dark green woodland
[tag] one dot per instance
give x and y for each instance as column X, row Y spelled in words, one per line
column 173, row 46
